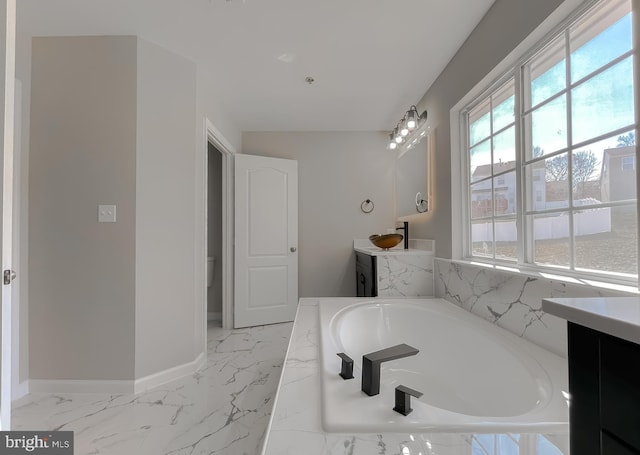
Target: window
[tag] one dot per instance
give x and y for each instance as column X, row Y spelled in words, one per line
column 548, row 133
column 492, row 162
column 628, row 163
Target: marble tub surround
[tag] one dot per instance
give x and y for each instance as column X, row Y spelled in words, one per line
column 222, row 409
column 296, row 421
column 512, row 300
column 405, row 275
column 617, row 316
column 400, row 272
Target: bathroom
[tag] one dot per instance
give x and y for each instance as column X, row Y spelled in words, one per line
column 338, row 170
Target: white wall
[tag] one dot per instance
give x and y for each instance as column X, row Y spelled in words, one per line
column 209, row 106
column 336, row 172
column 165, row 298
column 83, row 152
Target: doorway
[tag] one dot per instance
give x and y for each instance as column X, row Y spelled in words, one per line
column 224, row 262
column 214, row 235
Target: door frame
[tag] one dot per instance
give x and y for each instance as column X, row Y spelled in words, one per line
column 8, row 325
column 214, row 137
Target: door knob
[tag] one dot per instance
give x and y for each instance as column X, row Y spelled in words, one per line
column 293, row 249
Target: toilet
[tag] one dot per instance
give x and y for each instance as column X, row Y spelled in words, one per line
column 211, row 266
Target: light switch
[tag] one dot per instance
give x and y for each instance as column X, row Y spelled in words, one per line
column 106, row 214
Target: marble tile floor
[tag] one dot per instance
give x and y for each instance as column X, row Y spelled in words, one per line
column 222, row 409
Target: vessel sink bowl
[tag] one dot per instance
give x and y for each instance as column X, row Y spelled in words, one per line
column 385, row 241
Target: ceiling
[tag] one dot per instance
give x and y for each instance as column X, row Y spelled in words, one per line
column 371, row 59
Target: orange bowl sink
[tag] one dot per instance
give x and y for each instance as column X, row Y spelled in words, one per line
column 385, row 241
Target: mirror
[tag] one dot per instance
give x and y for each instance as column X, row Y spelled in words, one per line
column 412, row 178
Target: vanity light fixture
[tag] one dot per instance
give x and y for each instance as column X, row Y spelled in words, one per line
column 409, row 130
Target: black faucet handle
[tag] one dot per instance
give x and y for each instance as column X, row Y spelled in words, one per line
column 346, row 370
column 403, row 399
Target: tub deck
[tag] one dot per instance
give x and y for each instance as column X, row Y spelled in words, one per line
column 296, row 421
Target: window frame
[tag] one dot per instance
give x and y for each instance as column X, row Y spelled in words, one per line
column 524, row 224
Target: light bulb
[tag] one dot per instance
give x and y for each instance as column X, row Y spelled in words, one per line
column 411, row 118
column 396, row 135
column 392, row 142
column 404, row 131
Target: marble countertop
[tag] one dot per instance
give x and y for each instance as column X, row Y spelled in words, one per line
column 617, row 316
column 295, row 426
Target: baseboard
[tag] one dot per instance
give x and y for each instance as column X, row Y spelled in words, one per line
column 171, row 374
column 214, row 316
column 20, row 390
column 116, row 386
column 79, row 386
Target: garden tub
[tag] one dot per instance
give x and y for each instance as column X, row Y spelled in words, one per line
column 474, row 376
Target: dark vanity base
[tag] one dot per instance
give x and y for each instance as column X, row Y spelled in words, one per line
column 604, row 382
column 366, row 274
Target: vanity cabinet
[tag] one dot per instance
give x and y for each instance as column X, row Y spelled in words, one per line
column 366, row 274
column 604, row 383
column 396, row 272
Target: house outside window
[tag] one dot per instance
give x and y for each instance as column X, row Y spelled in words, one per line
column 547, row 136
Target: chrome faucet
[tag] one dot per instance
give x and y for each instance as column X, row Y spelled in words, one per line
column 405, row 233
column 371, row 365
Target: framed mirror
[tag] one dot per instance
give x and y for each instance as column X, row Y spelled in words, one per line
column 412, row 177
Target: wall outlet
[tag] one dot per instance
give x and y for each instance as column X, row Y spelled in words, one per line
column 106, row 214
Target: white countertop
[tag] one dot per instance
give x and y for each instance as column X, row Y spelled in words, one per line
column 617, row 316
column 296, row 421
column 416, row 247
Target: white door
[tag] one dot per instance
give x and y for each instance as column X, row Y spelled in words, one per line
column 266, row 240
column 7, row 87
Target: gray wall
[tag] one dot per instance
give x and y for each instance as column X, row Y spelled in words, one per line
column 336, row 172
column 23, row 74
column 504, row 26
column 112, row 122
column 165, row 303
column 214, row 228
column 83, row 153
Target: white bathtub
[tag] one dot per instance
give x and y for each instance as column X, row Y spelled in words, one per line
column 475, row 376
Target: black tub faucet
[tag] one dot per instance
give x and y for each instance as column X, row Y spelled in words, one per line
column 346, row 369
column 405, row 233
column 371, row 365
